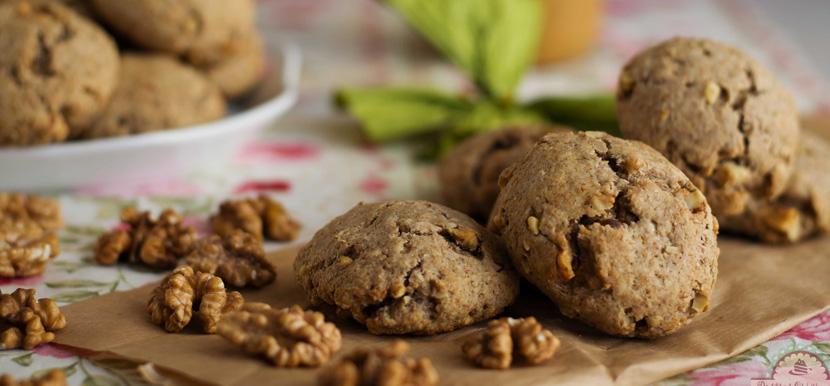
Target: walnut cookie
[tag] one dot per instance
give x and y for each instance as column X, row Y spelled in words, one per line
column 469, row 174
column 803, row 210
column 157, row 92
column 407, row 267
column 57, row 72
column 610, row 231
column 717, row 114
column 199, row 29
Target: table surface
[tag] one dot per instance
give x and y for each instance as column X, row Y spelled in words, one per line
column 315, row 163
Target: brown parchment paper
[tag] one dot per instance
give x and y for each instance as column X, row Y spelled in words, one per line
column 761, row 292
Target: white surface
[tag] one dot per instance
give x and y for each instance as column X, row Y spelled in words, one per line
column 153, row 155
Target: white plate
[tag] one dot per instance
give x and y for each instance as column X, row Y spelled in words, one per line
column 158, row 154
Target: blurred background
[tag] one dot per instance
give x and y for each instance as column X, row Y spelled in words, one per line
column 585, row 42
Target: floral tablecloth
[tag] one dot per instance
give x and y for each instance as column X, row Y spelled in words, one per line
column 315, row 163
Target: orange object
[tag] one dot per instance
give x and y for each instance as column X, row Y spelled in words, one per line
column 570, row 28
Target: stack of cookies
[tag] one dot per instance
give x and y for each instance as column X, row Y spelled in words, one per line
column 84, row 69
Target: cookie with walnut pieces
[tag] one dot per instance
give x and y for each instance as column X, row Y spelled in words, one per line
column 407, row 267
column 717, row 114
column 611, row 231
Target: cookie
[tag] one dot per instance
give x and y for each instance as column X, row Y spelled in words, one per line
column 469, row 174
column 57, row 72
column 717, row 114
column 198, row 28
column 613, row 233
column 407, row 267
column 237, row 73
column 157, row 92
column 803, row 210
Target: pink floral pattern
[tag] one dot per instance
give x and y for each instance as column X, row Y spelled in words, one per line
column 274, row 152
column 816, row 329
column 737, row 374
column 256, row 186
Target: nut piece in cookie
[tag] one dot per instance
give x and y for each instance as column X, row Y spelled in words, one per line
column 57, row 71
column 494, row 347
column 261, row 216
column 28, row 233
column 238, row 259
column 717, row 114
column 54, row 377
column 802, row 211
column 469, row 174
column 184, row 292
column 388, row 366
column 26, row 321
column 156, row 243
column 407, row 267
column 287, row 337
column 622, row 240
column 154, row 93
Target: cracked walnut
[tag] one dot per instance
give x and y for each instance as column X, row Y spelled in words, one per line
column 158, row 243
column 238, row 258
column 184, row 292
column 382, row 366
column 54, row 377
column 288, row 337
column 26, row 321
column 496, row 345
column 260, row 216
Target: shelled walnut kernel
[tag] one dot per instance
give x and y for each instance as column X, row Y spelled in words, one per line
column 496, row 345
column 288, row 337
column 184, row 292
column 262, row 217
column 26, row 321
column 383, row 366
column 28, row 233
column 238, row 258
column 158, row 243
column 55, row 377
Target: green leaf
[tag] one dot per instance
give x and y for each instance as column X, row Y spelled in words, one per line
column 77, row 283
column 595, row 112
column 493, row 41
column 24, row 360
column 74, row 296
column 393, row 113
column 100, row 380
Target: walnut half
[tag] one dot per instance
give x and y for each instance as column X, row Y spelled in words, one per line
column 496, row 345
column 27, row 321
column 288, row 337
column 184, row 292
column 382, row 366
column 28, row 233
column 158, row 243
column 262, row 217
column 237, row 258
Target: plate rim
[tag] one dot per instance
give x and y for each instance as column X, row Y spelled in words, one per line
column 291, row 67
